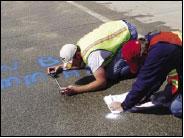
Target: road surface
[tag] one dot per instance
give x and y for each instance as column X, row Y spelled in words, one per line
column 32, row 34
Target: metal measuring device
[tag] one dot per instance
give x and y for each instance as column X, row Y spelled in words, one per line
column 53, row 74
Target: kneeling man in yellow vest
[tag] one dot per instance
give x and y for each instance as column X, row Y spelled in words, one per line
column 101, row 51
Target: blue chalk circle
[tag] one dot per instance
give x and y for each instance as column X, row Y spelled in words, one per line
column 69, row 72
column 48, row 61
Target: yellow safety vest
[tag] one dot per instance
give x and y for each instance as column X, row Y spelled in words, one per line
column 109, row 36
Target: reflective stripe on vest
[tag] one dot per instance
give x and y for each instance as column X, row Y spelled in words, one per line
column 109, row 36
column 173, row 80
column 174, row 37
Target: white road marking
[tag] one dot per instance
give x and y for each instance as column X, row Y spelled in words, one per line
column 96, row 15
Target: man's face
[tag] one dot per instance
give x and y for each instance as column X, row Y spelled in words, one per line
column 77, row 60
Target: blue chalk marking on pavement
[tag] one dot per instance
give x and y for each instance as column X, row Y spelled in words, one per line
column 33, row 79
column 68, row 72
column 88, row 72
column 15, row 66
column 48, row 61
column 29, row 79
column 8, row 82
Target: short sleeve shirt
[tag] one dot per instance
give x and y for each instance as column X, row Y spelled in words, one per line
column 96, row 59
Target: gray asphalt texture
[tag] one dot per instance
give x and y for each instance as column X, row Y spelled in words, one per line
column 32, row 30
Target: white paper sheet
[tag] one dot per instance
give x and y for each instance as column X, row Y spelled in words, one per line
column 121, row 97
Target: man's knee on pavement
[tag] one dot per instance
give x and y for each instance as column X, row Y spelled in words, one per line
column 176, row 107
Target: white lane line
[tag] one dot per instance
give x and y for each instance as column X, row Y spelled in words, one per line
column 96, row 15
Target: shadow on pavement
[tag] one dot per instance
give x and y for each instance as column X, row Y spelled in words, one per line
column 87, row 79
column 163, row 99
column 156, row 111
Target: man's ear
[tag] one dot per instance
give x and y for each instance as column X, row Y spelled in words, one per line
column 78, row 55
column 144, row 44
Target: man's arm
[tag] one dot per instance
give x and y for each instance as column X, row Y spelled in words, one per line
column 60, row 67
column 152, row 75
column 98, row 84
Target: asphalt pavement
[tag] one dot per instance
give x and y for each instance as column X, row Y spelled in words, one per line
column 32, row 34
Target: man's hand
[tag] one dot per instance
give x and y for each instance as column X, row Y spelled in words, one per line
column 54, row 68
column 116, row 106
column 70, row 90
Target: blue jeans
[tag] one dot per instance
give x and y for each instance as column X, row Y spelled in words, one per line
column 176, row 106
column 173, row 102
column 133, row 31
column 117, row 67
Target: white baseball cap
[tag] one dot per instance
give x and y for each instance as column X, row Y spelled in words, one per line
column 67, row 52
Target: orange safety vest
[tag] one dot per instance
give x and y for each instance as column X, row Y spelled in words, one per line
column 172, row 38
